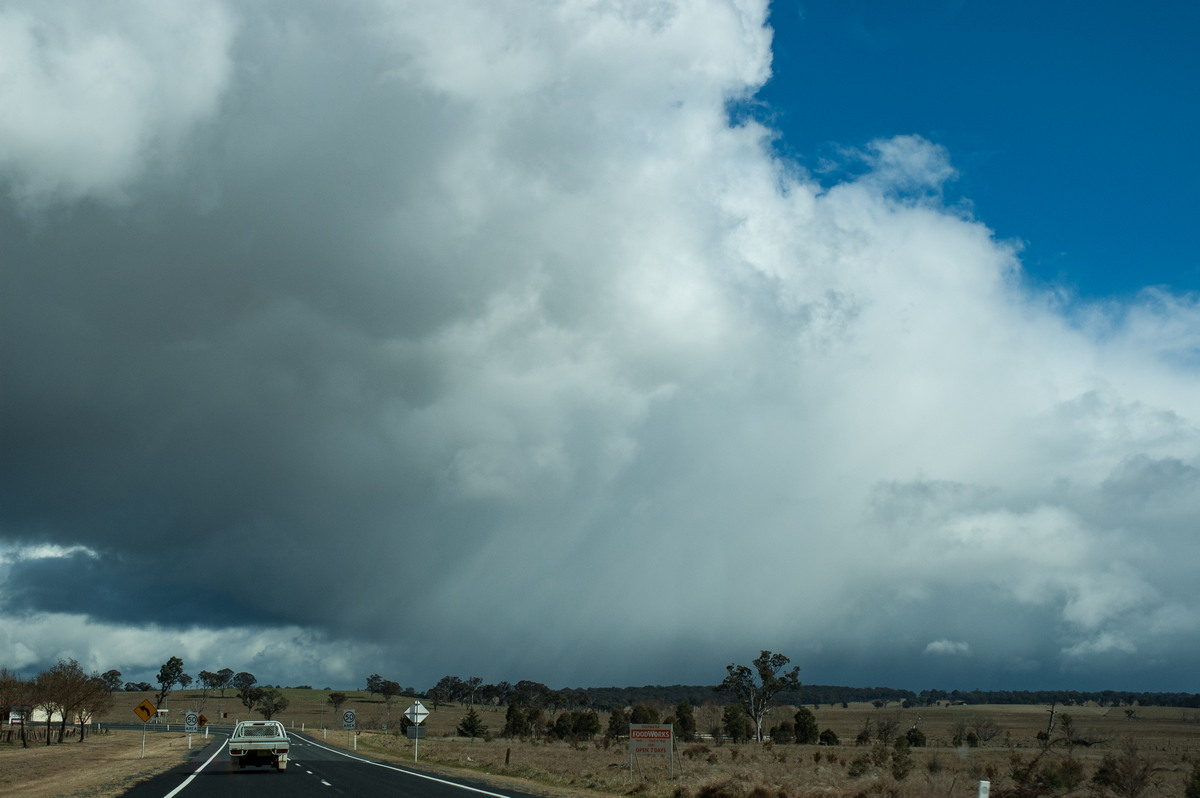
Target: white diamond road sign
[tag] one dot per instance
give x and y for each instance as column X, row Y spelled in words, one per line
column 417, row 712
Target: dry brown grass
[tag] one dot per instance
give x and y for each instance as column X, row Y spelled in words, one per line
column 1169, row 737
column 102, row 766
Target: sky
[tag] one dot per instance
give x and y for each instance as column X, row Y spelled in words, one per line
column 601, row 343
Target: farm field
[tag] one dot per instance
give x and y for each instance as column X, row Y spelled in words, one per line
column 1167, row 744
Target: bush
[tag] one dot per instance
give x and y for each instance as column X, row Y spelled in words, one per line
column 1128, row 774
column 829, row 737
column 805, row 723
column 736, row 723
column 1192, row 788
column 472, row 725
column 783, row 733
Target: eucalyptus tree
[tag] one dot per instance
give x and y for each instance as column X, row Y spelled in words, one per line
column 754, row 689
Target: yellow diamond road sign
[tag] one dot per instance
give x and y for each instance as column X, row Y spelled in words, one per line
column 203, row 720
column 145, row 711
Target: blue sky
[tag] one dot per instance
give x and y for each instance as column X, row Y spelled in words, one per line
column 480, row 338
column 1072, row 124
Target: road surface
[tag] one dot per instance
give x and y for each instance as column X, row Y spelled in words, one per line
column 314, row 769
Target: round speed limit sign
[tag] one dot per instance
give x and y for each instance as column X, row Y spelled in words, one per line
column 348, row 719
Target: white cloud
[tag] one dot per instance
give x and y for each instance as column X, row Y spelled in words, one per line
column 948, row 648
column 97, row 95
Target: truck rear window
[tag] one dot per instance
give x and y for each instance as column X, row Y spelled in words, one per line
column 259, row 731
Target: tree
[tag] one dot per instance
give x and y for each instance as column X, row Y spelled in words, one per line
column 472, row 725
column 242, row 680
column 471, row 688
column 97, row 699
column 585, row 725
column 453, row 688
column 112, row 678
column 169, row 675
column 374, row 683
column 75, row 688
column 46, row 697
column 643, row 714
column 754, row 689
column 618, row 724
column 784, row 732
column 271, row 701
column 208, row 682
column 516, row 722
column 736, row 723
column 14, row 691
column 63, row 689
column 685, row 722
column 248, row 694
column 806, row 727
column 226, row 675
column 336, row 700
column 389, row 690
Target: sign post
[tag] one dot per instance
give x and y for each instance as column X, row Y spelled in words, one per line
column 191, row 725
column 416, row 715
column 145, row 711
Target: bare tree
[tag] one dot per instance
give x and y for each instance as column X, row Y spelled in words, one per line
column 985, row 728
column 96, row 699
column 14, row 692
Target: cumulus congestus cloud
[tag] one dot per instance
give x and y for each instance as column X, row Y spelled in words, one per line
column 480, row 337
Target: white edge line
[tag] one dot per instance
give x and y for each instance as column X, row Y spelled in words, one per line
column 188, row 780
column 402, row 770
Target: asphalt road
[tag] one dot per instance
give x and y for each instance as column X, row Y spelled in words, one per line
column 314, row 769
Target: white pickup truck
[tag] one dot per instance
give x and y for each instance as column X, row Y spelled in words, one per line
column 259, row 742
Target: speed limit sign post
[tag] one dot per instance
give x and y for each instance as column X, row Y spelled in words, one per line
column 191, row 725
column 349, row 723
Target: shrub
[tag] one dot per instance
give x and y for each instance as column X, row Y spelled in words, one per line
column 1192, row 788
column 472, row 725
column 783, row 733
column 1128, row 774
